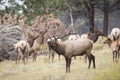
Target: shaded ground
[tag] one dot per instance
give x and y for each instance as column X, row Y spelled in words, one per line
column 42, row 69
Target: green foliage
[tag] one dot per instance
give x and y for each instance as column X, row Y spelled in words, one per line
column 2, row 12
column 40, row 7
column 13, row 7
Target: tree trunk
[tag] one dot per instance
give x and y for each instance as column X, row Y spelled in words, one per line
column 71, row 16
column 91, row 19
column 105, row 24
column 106, row 17
column 90, row 7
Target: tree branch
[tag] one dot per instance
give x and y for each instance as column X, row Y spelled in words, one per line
column 86, row 5
column 71, row 15
column 114, row 4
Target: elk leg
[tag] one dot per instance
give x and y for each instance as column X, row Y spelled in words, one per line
column 89, row 62
column 80, row 57
column 75, row 57
column 116, row 56
column 53, row 54
column 34, row 56
column 85, row 57
column 27, row 57
column 113, row 57
column 93, row 58
column 59, row 57
column 68, row 63
column 49, row 55
column 16, row 61
column 89, row 58
column 16, row 58
column 23, row 59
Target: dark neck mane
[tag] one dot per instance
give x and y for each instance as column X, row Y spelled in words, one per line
column 31, row 40
column 93, row 37
column 59, row 49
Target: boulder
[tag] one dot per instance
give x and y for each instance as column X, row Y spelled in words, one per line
column 8, row 36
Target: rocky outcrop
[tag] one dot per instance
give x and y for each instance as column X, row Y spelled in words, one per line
column 8, row 36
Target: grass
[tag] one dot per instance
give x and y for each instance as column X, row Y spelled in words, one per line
column 43, row 69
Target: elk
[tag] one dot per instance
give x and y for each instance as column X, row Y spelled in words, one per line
column 51, row 51
column 115, row 46
column 34, row 40
column 37, row 42
column 22, row 49
column 93, row 36
column 30, row 38
column 74, row 37
column 70, row 48
column 32, row 45
column 115, row 34
column 84, row 36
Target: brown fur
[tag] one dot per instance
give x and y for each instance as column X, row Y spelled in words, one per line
column 51, row 51
column 115, row 46
column 72, row 48
column 37, row 42
column 94, row 36
column 22, row 51
column 115, row 34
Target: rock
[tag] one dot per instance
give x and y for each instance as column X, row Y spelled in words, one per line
column 8, row 36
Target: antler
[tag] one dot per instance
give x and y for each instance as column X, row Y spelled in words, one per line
column 54, row 36
column 48, row 36
column 69, row 33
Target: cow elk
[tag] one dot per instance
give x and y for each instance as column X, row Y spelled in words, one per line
column 115, row 46
column 22, row 49
column 115, row 34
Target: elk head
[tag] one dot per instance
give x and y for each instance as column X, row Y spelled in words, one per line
column 98, row 32
column 108, row 41
column 30, row 36
column 115, row 37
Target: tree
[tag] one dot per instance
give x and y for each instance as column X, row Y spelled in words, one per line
column 108, row 7
column 90, row 8
column 106, row 16
column 12, row 6
column 40, row 7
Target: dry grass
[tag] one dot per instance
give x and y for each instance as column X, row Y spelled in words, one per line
column 42, row 69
